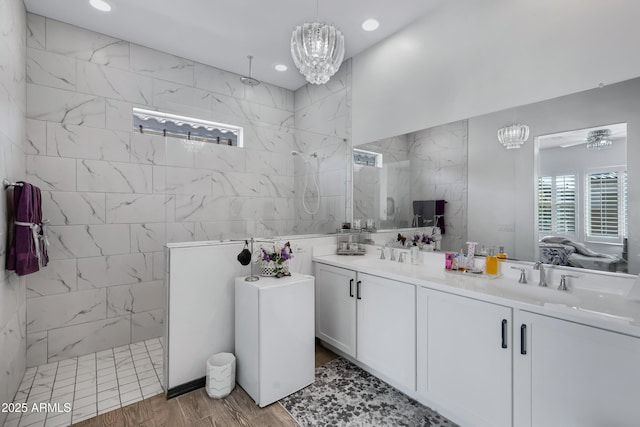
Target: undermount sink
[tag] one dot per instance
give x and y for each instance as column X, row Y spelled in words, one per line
column 588, row 313
column 540, row 294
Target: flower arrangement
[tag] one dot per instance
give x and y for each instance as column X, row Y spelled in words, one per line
column 275, row 262
column 421, row 240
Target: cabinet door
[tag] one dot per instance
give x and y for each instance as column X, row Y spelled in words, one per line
column 386, row 328
column 336, row 307
column 464, row 356
column 574, row 375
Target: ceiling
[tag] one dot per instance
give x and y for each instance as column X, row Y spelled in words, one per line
column 579, row 137
column 221, row 33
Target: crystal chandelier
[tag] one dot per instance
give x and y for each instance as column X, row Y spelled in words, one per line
column 513, row 136
column 599, row 139
column 317, row 50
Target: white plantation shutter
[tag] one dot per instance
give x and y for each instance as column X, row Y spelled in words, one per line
column 557, row 204
column 565, row 204
column 603, row 204
column 545, row 194
column 625, row 206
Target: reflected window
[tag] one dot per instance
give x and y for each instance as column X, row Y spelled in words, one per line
column 606, row 205
column 557, row 204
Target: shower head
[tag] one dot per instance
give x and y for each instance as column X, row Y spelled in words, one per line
column 249, row 81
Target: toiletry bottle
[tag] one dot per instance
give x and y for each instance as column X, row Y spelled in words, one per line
column 491, row 266
column 454, row 264
column 448, row 261
column 501, row 255
column 462, row 262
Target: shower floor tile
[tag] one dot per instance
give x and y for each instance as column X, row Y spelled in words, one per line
column 75, row 389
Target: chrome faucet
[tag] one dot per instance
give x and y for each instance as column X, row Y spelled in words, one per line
column 401, row 257
column 392, row 255
column 381, row 249
column 563, row 281
column 540, row 266
column 523, row 276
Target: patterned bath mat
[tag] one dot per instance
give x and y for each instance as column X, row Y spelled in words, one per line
column 345, row 395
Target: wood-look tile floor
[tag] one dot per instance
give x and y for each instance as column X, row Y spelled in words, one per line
column 196, row 409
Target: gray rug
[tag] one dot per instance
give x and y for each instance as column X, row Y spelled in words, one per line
column 345, row 395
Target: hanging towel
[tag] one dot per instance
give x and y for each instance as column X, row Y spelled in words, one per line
column 28, row 249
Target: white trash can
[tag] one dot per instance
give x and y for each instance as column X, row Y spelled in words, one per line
column 221, row 375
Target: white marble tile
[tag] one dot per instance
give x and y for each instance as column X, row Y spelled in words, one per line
column 63, row 106
column 258, row 208
column 86, row 45
column 148, row 237
column 161, row 65
column 79, row 241
column 147, row 148
column 271, row 96
column 73, row 208
column 88, row 337
column 201, row 208
column 113, row 177
column 113, row 83
column 180, row 232
column 182, row 100
column 83, row 142
column 35, row 31
column 326, row 117
column 159, row 265
column 56, row 311
column 310, row 93
column 149, row 324
column 185, row 181
column 119, row 115
column 220, row 157
column 59, row 277
column 51, row 173
column 136, row 208
column 114, row 270
column 135, row 298
column 36, row 137
column 50, row 69
column 265, row 137
column 265, row 162
column 218, row 81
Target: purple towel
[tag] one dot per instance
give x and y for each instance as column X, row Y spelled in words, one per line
column 24, row 249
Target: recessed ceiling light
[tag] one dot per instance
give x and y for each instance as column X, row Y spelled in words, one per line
column 101, row 5
column 280, row 67
column 370, row 24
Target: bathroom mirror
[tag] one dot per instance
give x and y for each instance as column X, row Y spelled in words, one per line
column 491, row 192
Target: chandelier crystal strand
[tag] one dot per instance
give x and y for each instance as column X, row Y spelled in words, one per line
column 513, row 136
column 317, row 50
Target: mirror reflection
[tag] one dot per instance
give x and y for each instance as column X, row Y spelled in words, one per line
column 415, row 180
column 582, row 198
column 493, row 194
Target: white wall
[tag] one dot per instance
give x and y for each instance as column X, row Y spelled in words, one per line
column 502, row 187
column 12, row 131
column 473, row 57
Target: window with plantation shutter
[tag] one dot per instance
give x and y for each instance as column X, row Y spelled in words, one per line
column 606, row 205
column 557, row 204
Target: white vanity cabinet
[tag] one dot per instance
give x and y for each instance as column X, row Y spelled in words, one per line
column 568, row 374
column 386, row 333
column 369, row 318
column 336, row 307
column 464, row 357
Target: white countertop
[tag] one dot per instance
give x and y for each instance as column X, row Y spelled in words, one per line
column 599, row 309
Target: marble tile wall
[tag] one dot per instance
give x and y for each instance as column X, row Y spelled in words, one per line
column 438, row 170
column 12, row 167
column 323, row 125
column 115, row 197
